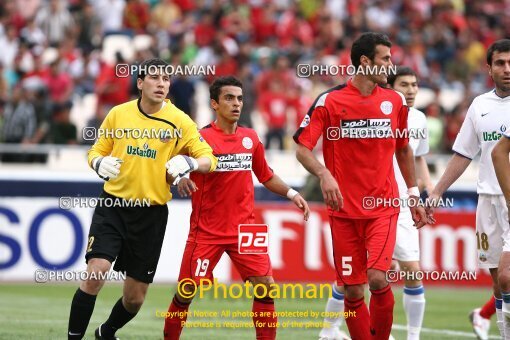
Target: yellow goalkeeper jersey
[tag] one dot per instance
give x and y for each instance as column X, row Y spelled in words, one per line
column 145, row 143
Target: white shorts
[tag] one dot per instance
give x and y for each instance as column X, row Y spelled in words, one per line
column 407, row 246
column 492, row 229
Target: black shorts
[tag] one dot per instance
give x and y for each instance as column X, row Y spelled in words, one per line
column 132, row 237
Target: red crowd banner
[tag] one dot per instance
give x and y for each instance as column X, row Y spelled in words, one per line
column 302, row 252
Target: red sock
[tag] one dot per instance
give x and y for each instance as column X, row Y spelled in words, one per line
column 265, row 326
column 381, row 312
column 177, row 315
column 357, row 318
column 488, row 309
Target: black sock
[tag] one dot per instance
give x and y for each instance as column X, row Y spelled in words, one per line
column 118, row 318
column 81, row 311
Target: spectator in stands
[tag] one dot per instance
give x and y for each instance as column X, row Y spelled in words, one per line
column 204, row 30
column 3, row 85
column 19, row 124
column 181, row 93
column 281, row 71
column 85, row 71
column 59, row 83
column 24, row 60
column 249, row 95
column 435, row 126
column 89, row 27
column 136, row 16
column 62, row 131
column 9, row 42
column 454, row 122
column 110, row 12
column 33, row 34
column 55, row 21
column 110, row 89
column 273, row 104
column 163, row 15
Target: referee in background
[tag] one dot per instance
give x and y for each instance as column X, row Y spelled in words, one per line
column 135, row 170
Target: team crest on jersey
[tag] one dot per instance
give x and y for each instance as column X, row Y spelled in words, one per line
column 482, row 257
column 503, row 128
column 247, row 143
column 386, row 107
column 305, row 121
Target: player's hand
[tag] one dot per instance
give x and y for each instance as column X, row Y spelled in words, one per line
column 107, row 167
column 301, row 203
column 330, row 191
column 419, row 215
column 432, row 202
column 186, row 187
column 180, row 165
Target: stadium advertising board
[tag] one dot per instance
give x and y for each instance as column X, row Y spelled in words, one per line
column 36, row 234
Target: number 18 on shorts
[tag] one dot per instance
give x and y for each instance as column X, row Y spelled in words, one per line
column 253, row 239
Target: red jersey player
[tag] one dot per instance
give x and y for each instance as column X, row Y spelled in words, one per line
column 356, row 120
column 224, row 200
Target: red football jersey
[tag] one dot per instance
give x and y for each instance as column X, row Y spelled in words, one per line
column 225, row 198
column 359, row 141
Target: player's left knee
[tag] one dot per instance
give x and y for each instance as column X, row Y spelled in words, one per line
column 410, row 267
column 133, row 303
column 504, row 280
column 262, row 285
column 376, row 279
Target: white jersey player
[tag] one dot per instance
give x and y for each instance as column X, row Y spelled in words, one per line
column 487, row 119
column 407, row 250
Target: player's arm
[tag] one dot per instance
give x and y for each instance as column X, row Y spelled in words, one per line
column 502, row 166
column 423, row 174
column 278, row 186
column 194, row 154
column 330, row 190
column 405, row 160
column 99, row 159
column 311, row 129
column 466, row 147
column 454, row 169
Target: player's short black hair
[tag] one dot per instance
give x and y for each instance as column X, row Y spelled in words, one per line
column 502, row 45
column 215, row 88
column 144, row 67
column 401, row 71
column 366, row 44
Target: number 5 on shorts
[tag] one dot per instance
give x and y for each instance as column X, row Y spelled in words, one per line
column 346, row 265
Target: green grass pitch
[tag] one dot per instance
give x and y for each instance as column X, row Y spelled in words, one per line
column 40, row 311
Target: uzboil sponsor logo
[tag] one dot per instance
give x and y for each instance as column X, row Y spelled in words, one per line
column 146, row 152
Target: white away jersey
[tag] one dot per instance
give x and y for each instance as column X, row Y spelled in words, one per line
column 418, row 141
column 487, row 119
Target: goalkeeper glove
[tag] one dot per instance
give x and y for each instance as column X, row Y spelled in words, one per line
column 107, row 167
column 181, row 165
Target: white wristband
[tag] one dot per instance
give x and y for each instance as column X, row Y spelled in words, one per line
column 291, row 194
column 414, row 191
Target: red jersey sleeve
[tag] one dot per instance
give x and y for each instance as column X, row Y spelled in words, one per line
column 260, row 167
column 402, row 126
column 311, row 127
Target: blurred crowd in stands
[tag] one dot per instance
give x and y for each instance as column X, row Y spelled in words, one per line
column 259, row 41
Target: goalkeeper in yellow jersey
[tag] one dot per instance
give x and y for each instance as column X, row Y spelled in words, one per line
column 142, row 146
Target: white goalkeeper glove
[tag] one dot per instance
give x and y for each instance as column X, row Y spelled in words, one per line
column 179, row 166
column 107, row 167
